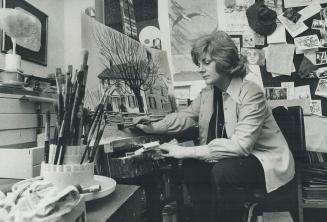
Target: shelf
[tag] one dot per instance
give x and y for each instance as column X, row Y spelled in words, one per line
column 314, row 204
column 38, row 99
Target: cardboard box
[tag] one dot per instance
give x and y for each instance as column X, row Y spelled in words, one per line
column 21, row 163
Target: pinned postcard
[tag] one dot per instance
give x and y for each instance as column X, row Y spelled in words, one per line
column 307, row 42
column 294, row 29
column 321, row 58
column 315, row 107
column 278, row 36
column 276, row 93
column 321, row 89
column 290, row 89
column 300, row 3
column 310, row 10
column 302, row 92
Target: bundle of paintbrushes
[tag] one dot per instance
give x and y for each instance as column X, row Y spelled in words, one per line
column 69, row 109
column 95, row 132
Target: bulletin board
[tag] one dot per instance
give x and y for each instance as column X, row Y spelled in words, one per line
column 270, row 81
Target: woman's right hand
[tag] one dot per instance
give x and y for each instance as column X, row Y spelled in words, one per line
column 144, row 123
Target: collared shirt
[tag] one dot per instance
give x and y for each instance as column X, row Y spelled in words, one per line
column 250, row 128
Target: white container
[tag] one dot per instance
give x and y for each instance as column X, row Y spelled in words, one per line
column 12, row 62
column 71, row 172
column 64, row 175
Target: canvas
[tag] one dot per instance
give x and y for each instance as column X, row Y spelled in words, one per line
column 138, row 78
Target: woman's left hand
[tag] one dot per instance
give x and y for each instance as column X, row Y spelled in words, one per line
column 174, row 150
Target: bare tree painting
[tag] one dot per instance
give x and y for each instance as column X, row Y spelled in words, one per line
column 127, row 60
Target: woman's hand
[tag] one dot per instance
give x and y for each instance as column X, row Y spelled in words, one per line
column 176, row 151
column 144, row 123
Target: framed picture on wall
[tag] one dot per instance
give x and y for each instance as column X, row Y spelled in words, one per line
column 238, row 42
column 0, row 29
column 39, row 57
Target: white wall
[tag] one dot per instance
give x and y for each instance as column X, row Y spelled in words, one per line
column 72, row 30
column 64, row 35
column 55, row 46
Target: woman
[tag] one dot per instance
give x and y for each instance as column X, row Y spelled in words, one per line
column 241, row 146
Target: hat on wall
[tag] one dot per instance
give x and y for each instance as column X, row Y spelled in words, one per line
column 261, row 18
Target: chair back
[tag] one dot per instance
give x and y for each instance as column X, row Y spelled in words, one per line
column 291, row 123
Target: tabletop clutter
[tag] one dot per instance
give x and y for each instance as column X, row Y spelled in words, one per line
column 67, row 171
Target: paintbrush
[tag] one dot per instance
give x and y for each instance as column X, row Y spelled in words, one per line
column 47, row 137
column 95, row 126
column 97, row 140
column 60, row 97
column 122, row 126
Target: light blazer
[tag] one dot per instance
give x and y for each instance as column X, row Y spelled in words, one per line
column 250, row 128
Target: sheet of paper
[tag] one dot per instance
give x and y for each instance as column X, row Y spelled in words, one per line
column 254, row 75
column 310, row 10
column 290, row 89
column 299, row 3
column 294, row 29
column 302, row 92
column 311, row 55
column 278, row 36
column 279, row 58
column 277, row 217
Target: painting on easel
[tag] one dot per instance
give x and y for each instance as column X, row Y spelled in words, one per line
column 138, row 77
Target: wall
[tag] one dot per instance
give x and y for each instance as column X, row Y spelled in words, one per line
column 55, row 12
column 72, row 30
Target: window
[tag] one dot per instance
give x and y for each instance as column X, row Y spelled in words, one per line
column 132, row 101
column 152, row 103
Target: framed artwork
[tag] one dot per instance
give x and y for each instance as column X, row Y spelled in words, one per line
column 39, row 57
column 238, row 42
column 1, row 29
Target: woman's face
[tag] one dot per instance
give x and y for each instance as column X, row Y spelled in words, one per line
column 207, row 68
column 252, row 57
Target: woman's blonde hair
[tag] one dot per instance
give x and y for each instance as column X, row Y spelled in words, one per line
column 222, row 49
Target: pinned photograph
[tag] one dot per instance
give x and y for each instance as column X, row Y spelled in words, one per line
column 292, row 15
column 318, row 24
column 276, row 93
column 248, row 40
column 321, row 58
column 254, row 56
column 323, row 13
column 321, row 72
column 307, row 42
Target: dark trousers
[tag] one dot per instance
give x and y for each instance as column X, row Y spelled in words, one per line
column 219, row 190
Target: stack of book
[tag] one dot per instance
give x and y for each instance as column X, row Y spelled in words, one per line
column 315, row 183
